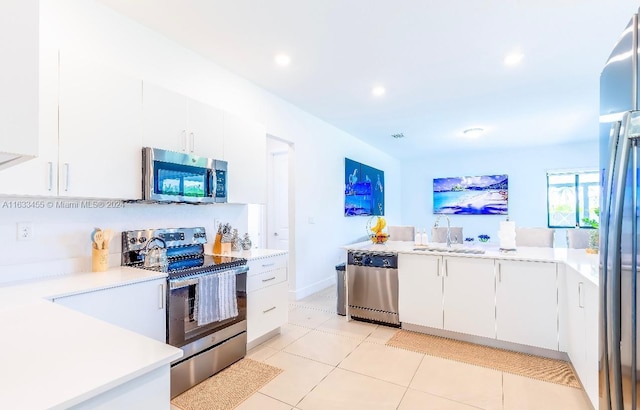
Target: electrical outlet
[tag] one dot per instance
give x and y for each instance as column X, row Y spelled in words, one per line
column 24, row 231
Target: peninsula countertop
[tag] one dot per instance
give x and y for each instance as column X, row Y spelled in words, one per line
column 55, row 357
column 578, row 259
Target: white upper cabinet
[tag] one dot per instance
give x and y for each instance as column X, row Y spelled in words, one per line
column 19, row 47
column 527, row 303
column 100, row 135
column 39, row 176
column 175, row 122
column 245, row 150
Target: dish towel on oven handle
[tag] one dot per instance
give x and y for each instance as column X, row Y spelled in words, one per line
column 227, row 301
column 206, row 306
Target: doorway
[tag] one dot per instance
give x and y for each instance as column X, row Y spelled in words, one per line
column 278, row 233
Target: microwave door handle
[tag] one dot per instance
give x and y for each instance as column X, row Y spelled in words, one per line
column 212, row 183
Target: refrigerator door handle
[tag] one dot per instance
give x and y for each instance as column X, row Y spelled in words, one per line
column 614, row 137
column 634, row 271
column 613, row 291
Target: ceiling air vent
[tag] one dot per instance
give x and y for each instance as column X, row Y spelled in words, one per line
column 398, row 135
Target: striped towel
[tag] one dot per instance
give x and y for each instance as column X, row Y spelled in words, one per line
column 227, row 301
column 206, row 306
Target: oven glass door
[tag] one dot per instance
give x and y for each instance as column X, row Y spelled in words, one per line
column 183, row 327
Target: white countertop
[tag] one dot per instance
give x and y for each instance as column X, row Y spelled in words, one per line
column 253, row 253
column 578, row 259
column 54, row 357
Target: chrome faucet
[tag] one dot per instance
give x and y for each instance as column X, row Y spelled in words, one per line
column 435, row 225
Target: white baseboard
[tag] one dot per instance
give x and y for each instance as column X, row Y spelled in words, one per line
column 313, row 288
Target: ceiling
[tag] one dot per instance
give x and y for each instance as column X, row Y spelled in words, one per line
column 440, row 61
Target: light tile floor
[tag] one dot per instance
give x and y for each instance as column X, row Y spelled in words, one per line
column 332, row 363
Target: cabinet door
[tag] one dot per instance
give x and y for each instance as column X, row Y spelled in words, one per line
column 420, row 290
column 267, row 309
column 575, row 325
column 164, row 118
column 245, row 150
column 527, row 303
column 39, row 176
column 99, row 131
column 204, row 133
column 139, row 307
column 591, row 311
column 19, row 30
column 469, row 296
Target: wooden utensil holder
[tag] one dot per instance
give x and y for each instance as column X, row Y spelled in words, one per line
column 99, row 260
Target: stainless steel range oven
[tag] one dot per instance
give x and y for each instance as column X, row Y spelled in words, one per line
column 206, row 301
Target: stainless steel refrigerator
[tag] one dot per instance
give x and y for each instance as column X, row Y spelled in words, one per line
column 619, row 137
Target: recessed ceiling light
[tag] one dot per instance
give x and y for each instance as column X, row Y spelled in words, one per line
column 398, row 135
column 473, row 132
column 513, row 59
column 378, row 91
column 283, row 60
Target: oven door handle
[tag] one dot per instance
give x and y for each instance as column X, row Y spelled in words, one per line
column 177, row 283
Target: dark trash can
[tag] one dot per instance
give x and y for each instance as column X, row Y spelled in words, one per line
column 341, row 307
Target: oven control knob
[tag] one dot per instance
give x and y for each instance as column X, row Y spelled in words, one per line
column 133, row 241
column 142, row 240
column 385, row 263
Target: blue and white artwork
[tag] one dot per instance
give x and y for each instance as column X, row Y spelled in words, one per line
column 364, row 189
column 483, row 195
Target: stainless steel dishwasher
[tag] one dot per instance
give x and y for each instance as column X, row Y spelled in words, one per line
column 373, row 286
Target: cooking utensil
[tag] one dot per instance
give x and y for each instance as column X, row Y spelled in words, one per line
column 98, row 239
column 93, row 237
column 107, row 235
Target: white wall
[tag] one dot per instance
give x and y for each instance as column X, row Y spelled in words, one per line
column 526, row 168
column 98, row 32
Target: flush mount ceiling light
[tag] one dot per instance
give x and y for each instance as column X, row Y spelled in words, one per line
column 398, row 135
column 473, row 132
column 378, row 91
column 282, row 60
column 513, row 59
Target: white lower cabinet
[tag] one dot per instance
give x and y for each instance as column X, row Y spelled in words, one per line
column 267, row 296
column 469, row 298
column 582, row 330
column 527, row 303
column 420, row 290
column 448, row 293
column 139, row 307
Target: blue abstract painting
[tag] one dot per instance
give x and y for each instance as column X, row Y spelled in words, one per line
column 483, row 195
column 364, row 189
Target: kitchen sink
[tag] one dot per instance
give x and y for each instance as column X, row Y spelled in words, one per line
column 450, row 249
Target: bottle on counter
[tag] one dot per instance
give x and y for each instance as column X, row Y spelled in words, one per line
column 424, row 239
column 418, row 239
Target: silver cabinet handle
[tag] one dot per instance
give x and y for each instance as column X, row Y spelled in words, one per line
column 183, row 140
column 50, row 164
column 268, row 264
column 580, row 295
column 438, row 267
column 499, row 272
column 267, row 280
column 446, row 268
column 161, row 296
column 192, row 142
column 269, row 310
column 66, row 172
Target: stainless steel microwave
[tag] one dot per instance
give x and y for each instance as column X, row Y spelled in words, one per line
column 178, row 177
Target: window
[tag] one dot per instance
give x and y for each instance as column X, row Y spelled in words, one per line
column 572, row 197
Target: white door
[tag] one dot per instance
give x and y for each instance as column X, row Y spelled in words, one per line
column 279, row 201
